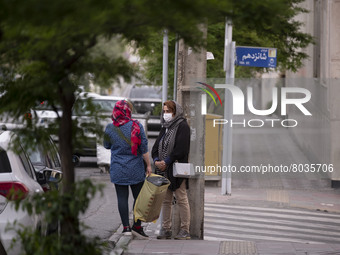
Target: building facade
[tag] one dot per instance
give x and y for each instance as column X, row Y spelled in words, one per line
column 319, row 136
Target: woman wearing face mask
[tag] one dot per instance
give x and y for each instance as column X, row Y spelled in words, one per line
column 173, row 144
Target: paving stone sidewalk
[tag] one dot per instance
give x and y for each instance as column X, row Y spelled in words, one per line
column 304, row 191
column 313, row 200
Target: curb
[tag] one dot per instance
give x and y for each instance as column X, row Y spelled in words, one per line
column 119, row 241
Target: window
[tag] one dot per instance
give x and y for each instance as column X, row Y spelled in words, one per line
column 155, row 108
column 44, row 105
column 48, row 156
column 145, row 93
column 87, row 107
column 53, row 155
column 5, row 166
column 36, row 157
column 104, row 105
column 27, row 165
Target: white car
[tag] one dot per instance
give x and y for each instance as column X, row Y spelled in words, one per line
column 86, row 106
column 103, row 106
column 16, row 171
column 148, row 99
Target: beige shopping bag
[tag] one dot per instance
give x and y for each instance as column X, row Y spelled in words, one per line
column 150, row 199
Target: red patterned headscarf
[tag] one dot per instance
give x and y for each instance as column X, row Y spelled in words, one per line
column 121, row 115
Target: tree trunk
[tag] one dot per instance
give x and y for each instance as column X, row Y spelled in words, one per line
column 70, row 224
column 65, row 142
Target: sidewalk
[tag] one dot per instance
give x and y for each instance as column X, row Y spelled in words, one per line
column 311, row 200
column 229, row 247
column 327, row 200
column 265, row 194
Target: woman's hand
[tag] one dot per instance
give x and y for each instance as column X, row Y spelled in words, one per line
column 160, row 165
column 148, row 170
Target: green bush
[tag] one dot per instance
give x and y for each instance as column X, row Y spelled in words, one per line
column 60, row 212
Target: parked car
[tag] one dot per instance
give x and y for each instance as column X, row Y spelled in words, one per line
column 86, row 103
column 46, row 162
column 87, row 107
column 44, row 158
column 7, row 122
column 103, row 106
column 47, row 165
column 16, row 173
column 148, row 99
column 45, row 113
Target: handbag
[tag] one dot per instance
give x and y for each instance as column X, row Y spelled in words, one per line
column 183, row 170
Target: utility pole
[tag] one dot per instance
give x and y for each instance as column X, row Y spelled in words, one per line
column 165, row 66
column 229, row 68
column 191, row 69
column 176, row 68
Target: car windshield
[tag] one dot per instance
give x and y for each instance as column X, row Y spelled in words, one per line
column 145, row 93
column 155, row 108
column 46, row 157
column 104, row 105
column 36, row 157
column 87, row 108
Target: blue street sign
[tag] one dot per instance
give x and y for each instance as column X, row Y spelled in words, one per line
column 258, row 57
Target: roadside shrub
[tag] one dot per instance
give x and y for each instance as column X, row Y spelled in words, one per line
column 61, row 231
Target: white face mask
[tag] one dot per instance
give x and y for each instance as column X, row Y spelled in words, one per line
column 167, row 117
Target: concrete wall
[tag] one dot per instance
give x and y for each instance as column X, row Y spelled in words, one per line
column 319, row 135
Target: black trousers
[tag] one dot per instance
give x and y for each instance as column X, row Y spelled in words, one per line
column 123, row 201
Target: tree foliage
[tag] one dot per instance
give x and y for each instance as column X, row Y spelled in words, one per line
column 268, row 23
column 54, row 208
column 49, row 48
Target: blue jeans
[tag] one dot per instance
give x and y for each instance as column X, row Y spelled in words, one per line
column 123, row 201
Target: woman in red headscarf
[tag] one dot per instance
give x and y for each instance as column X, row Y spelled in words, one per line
column 129, row 146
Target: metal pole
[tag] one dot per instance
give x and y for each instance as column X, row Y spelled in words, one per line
column 230, row 113
column 165, row 66
column 228, row 109
column 176, row 67
column 164, row 85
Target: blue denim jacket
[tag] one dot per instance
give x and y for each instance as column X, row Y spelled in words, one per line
column 125, row 168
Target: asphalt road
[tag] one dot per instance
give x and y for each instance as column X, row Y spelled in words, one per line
column 102, row 216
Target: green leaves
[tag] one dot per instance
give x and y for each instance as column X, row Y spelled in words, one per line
column 49, row 48
column 55, row 208
column 267, row 23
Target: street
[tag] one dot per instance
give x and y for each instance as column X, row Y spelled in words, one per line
column 102, row 216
